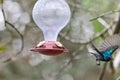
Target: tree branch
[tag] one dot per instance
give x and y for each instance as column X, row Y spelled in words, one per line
column 104, row 14
column 21, row 36
column 22, row 40
column 103, row 71
column 87, row 42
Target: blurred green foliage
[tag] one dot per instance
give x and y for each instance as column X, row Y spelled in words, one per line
column 100, row 5
column 98, row 27
column 1, row 1
column 2, row 48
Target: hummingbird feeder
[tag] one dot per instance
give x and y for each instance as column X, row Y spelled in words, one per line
column 51, row 16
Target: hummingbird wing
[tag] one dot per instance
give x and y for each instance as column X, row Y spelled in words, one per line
column 110, row 44
column 100, row 54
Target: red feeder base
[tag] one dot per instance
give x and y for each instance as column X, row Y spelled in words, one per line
column 50, row 48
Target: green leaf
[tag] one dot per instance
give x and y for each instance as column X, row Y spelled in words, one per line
column 2, row 48
column 98, row 27
column 1, row 1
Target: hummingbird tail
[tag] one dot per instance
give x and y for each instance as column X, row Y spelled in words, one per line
column 95, row 54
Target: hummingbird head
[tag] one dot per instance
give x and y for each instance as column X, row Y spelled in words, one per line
column 108, row 58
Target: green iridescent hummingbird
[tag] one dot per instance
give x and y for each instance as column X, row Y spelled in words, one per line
column 106, row 49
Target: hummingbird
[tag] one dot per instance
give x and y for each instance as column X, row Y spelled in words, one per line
column 106, row 49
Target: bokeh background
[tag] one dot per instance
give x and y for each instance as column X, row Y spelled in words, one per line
column 91, row 20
